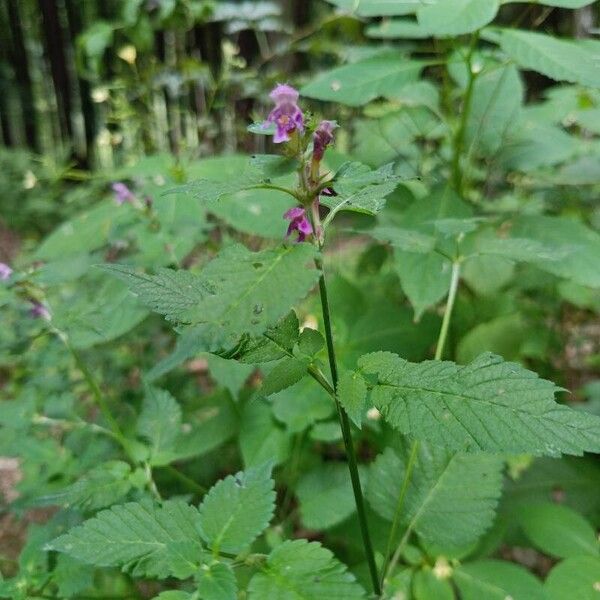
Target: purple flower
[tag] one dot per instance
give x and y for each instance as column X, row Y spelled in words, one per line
column 39, row 311
column 322, row 137
column 5, row 271
column 286, row 115
column 122, row 193
column 298, row 222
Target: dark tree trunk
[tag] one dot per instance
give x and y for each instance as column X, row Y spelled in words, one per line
column 22, row 75
column 300, row 14
column 55, row 51
column 88, row 110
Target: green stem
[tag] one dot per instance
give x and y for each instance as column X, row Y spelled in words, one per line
column 396, row 523
column 347, row 436
column 439, row 351
column 454, row 280
column 459, row 138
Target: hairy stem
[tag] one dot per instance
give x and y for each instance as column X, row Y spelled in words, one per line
column 439, row 351
column 347, row 436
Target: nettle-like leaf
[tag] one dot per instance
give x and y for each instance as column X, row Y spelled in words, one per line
column 456, row 17
column 450, row 500
column 237, row 510
column 562, row 60
column 239, row 292
column 299, row 570
column 104, row 485
column 352, row 394
column 357, row 83
column 360, row 189
column 488, row 405
column 142, row 538
column 160, row 424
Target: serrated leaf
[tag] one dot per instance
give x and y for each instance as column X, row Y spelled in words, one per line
column 456, row 17
column 576, row 577
column 361, row 189
column 217, row 582
column 360, row 82
column 559, row 59
column 325, row 496
column 397, row 28
column 249, row 291
column 487, row 405
column 352, row 395
column 299, row 570
column 283, row 375
column 558, row 530
column 168, row 292
column 160, row 424
column 142, row 538
column 237, row 510
column 276, row 342
column 497, row 580
column 450, row 500
column 104, row 485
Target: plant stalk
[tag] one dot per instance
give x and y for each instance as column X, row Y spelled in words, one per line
column 459, row 138
column 347, row 436
column 439, row 351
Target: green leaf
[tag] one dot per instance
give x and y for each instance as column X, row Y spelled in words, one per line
column 560, row 3
column 559, row 59
column 301, row 405
column 360, row 189
column 497, row 580
column 261, row 438
column 311, row 342
column 104, row 485
column 217, row 582
column 397, row 28
column 576, row 577
column 168, row 292
column 277, row 342
column 238, row 292
column 495, row 105
column 379, row 8
column 456, row 17
column 450, row 500
column 360, row 82
column 352, row 395
column 160, row 424
column 487, row 405
column 408, row 240
column 427, row 586
column 574, row 481
column 299, row 570
column 285, row 374
column 325, row 496
column 558, row 530
column 575, row 247
column 237, row 510
column 140, row 537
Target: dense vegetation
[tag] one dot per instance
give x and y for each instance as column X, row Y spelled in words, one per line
column 300, row 301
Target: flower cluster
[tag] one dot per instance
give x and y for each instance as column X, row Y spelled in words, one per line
column 5, row 271
column 122, row 193
column 288, row 118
